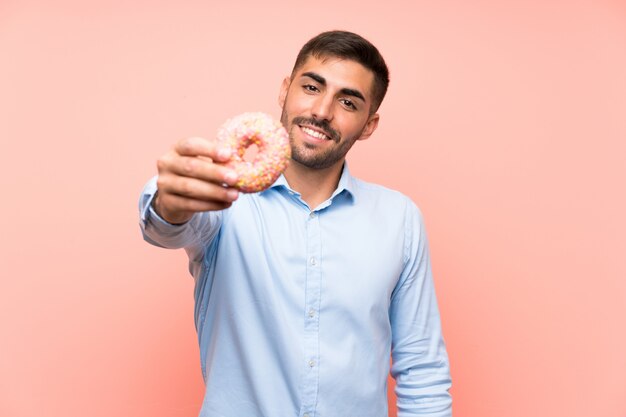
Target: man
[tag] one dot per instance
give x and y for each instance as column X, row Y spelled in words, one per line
column 304, row 290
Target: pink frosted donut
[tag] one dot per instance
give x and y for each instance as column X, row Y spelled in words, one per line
column 273, row 154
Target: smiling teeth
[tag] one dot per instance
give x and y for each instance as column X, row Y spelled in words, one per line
column 314, row 133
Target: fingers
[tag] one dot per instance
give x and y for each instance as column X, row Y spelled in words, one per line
column 179, row 209
column 196, row 167
column 194, row 157
column 192, row 178
column 172, row 205
column 195, row 189
column 196, row 146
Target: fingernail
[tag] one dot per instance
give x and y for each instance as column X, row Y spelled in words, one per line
column 230, row 177
column 223, row 153
column 232, row 194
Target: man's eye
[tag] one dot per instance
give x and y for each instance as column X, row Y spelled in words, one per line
column 311, row 88
column 348, row 103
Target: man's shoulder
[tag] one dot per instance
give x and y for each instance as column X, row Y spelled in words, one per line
column 378, row 193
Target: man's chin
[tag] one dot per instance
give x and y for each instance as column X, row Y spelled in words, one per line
column 309, row 160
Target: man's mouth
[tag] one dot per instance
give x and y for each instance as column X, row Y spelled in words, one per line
column 315, row 133
column 318, row 129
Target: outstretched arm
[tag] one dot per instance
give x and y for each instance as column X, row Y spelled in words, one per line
column 192, row 180
column 181, row 207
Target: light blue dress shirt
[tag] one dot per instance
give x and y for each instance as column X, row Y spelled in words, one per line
column 298, row 310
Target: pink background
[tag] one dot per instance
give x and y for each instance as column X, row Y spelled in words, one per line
column 505, row 122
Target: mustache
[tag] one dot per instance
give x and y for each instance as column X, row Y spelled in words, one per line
column 320, row 124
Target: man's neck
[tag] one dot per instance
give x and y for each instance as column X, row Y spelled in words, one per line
column 314, row 185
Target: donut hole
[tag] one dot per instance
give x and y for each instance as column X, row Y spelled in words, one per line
column 251, row 152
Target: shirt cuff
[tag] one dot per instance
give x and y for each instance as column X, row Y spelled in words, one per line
column 147, row 212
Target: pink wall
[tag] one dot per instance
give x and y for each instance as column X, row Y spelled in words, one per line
column 505, row 121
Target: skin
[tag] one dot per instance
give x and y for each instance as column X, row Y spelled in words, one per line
column 329, row 96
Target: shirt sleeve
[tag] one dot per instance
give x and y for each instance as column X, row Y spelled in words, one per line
column 193, row 235
column 419, row 359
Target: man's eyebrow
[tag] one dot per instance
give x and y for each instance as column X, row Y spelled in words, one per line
column 353, row 93
column 321, row 80
column 316, row 77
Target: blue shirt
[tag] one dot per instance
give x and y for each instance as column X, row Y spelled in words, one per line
column 298, row 310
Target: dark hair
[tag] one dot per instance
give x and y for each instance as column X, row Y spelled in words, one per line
column 348, row 45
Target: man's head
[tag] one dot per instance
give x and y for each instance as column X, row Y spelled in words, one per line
column 350, row 46
column 330, row 100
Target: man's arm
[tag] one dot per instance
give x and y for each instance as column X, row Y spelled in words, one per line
column 420, row 362
column 191, row 182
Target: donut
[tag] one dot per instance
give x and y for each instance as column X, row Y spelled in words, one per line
column 274, row 150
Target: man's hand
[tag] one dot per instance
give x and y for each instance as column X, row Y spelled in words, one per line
column 193, row 179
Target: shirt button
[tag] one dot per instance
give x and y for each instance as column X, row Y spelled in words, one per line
column 305, row 415
column 313, row 261
column 312, row 313
column 312, row 215
column 311, row 363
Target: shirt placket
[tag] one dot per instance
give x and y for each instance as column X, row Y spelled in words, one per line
column 311, row 316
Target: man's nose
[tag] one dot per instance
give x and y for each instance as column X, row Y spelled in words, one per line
column 323, row 108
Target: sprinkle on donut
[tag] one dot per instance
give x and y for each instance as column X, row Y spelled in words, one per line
column 273, row 154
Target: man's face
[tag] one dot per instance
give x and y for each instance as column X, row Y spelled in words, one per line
column 326, row 108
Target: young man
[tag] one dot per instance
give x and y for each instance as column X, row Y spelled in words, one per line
column 304, row 290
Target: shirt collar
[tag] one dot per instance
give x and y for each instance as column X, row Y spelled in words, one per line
column 346, row 183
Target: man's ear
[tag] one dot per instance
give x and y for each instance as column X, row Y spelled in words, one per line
column 370, row 126
column 284, row 87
